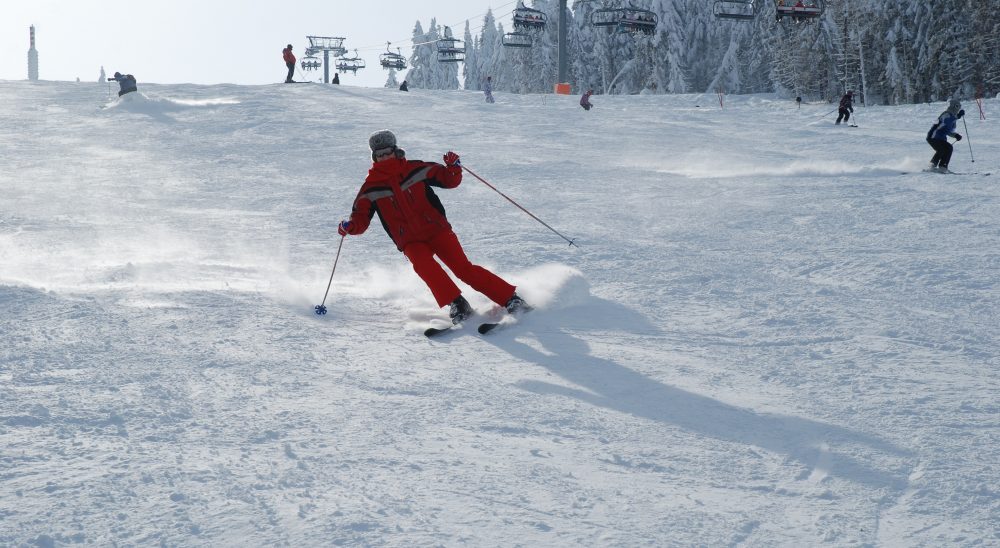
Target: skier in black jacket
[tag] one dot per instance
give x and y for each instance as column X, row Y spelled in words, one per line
column 846, row 107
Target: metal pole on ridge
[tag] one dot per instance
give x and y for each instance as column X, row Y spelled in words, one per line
column 571, row 243
column 968, row 140
column 321, row 308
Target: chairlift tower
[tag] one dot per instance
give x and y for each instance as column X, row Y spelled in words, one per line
column 328, row 45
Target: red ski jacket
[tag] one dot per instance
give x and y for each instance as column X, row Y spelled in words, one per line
column 399, row 190
column 287, row 54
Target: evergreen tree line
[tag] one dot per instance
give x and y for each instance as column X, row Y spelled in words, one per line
column 891, row 51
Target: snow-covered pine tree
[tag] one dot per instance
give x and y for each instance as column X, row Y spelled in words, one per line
column 391, row 82
column 489, row 40
column 424, row 54
column 470, row 68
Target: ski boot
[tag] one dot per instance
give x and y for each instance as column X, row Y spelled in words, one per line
column 460, row 311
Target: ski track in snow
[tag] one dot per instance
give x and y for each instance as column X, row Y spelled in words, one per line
column 768, row 336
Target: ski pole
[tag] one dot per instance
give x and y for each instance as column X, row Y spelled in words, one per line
column 321, row 308
column 968, row 140
column 571, row 243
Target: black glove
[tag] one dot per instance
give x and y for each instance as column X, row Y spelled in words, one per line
column 852, row 110
column 958, row 137
column 961, row 113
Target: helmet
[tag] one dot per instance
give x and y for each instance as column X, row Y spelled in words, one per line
column 117, row 74
column 289, row 46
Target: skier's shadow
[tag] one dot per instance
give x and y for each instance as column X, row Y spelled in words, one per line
column 613, row 386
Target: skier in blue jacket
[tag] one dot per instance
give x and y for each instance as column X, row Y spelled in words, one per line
column 125, row 81
column 937, row 137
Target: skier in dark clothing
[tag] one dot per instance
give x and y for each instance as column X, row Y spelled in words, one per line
column 846, row 107
column 289, row 58
column 125, row 81
column 937, row 137
column 403, row 86
column 400, row 191
column 336, row 78
column 585, row 100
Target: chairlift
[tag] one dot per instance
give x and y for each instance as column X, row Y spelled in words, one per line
column 390, row 60
column 450, row 49
column 627, row 19
column 798, row 10
column 528, row 18
column 606, row 17
column 351, row 64
column 735, row 10
column 516, row 40
column 637, row 20
column 311, row 62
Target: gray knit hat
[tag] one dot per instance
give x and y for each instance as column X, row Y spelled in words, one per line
column 954, row 106
column 381, row 139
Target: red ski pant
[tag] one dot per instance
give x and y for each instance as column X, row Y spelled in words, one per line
column 446, row 247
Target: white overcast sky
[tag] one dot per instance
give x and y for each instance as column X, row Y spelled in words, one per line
column 213, row 41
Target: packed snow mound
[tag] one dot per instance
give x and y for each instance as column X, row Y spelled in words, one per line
column 139, row 102
column 763, row 338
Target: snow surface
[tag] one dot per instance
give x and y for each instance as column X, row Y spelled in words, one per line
column 768, row 336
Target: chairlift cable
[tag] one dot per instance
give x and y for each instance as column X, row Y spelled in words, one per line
column 480, row 27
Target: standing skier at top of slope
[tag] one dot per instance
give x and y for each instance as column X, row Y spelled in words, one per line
column 401, row 192
column 846, row 107
column 937, row 137
column 289, row 58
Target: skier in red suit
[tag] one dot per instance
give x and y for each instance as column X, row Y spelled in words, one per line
column 401, row 192
column 289, row 58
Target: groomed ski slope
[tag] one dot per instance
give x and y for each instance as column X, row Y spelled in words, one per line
column 768, row 336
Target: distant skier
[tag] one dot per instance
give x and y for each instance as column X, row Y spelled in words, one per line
column 399, row 190
column 336, row 78
column 846, row 107
column 585, row 100
column 488, row 90
column 403, row 86
column 938, row 135
column 125, row 81
column 289, row 58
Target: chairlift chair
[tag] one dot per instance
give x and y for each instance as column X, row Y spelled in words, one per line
column 637, row 20
column 311, row 62
column 450, row 49
column 809, row 9
column 736, row 10
column 528, row 18
column 516, row 40
column 606, row 17
column 351, row 64
column 390, row 60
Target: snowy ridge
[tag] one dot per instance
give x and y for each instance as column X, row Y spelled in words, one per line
column 769, row 335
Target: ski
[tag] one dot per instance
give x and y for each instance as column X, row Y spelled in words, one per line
column 431, row 332
column 506, row 321
column 485, row 328
column 987, row 174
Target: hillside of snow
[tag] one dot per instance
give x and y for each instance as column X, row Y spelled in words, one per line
column 774, row 331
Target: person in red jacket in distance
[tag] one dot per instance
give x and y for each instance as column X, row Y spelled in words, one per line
column 289, row 58
column 401, row 192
